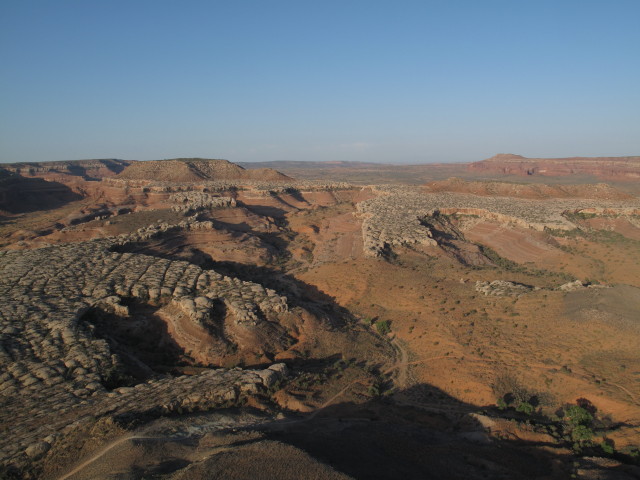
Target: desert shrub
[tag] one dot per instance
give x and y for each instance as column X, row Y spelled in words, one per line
column 383, row 327
column 510, row 390
column 607, row 446
column 581, row 434
column 587, row 405
column 526, row 408
column 340, row 365
column 577, row 422
column 377, row 388
column 633, row 454
column 576, row 415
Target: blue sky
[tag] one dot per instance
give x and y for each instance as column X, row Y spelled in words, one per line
column 385, row 81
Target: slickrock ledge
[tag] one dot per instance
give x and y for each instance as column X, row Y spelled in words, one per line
column 54, row 366
column 394, row 217
column 501, row 288
column 195, row 201
column 212, row 186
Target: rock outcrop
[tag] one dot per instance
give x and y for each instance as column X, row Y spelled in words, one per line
column 501, row 288
column 190, row 202
column 83, row 169
column 196, row 170
column 58, row 366
column 614, row 168
column 396, row 216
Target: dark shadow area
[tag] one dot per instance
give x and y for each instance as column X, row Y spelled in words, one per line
column 231, row 227
column 451, row 240
column 140, row 339
column 21, row 195
column 298, row 293
column 165, row 467
column 95, row 214
column 114, row 165
column 264, row 210
column 423, row 433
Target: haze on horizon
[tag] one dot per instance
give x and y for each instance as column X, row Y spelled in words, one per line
column 419, row 81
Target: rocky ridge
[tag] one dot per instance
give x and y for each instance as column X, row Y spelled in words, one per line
column 501, row 288
column 208, row 186
column 189, row 202
column 618, row 168
column 53, row 363
column 195, row 169
column 396, row 216
column 86, row 169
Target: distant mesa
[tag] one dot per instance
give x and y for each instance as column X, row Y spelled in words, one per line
column 612, row 168
column 68, row 169
column 506, row 157
column 196, row 170
column 172, row 170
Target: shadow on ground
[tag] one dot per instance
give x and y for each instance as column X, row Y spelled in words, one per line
column 434, row 437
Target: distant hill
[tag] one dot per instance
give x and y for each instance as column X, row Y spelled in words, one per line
column 85, row 169
column 196, row 169
column 612, row 168
column 172, row 170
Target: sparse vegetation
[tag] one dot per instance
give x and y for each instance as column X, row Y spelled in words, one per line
column 270, row 279
column 383, row 327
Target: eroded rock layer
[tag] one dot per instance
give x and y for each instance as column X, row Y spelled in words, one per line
column 618, row 168
column 396, row 217
column 58, row 365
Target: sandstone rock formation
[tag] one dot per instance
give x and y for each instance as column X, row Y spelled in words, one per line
column 57, row 365
column 194, row 170
column 85, row 169
column 501, row 288
column 396, row 216
column 620, row 168
column 189, row 202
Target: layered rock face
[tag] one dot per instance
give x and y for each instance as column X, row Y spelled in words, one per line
column 174, row 170
column 397, row 216
column 613, row 168
column 195, row 201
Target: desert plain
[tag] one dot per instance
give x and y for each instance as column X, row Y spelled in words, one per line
column 193, row 318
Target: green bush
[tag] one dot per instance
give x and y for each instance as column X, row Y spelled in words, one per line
column 575, row 416
column 581, row 434
column 607, row 447
column 377, row 388
column 383, row 327
column 526, row 408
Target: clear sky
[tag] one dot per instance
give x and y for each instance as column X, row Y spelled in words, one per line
column 388, row 81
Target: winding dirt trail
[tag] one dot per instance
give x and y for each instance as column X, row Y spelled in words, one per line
column 101, row 453
column 401, row 365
